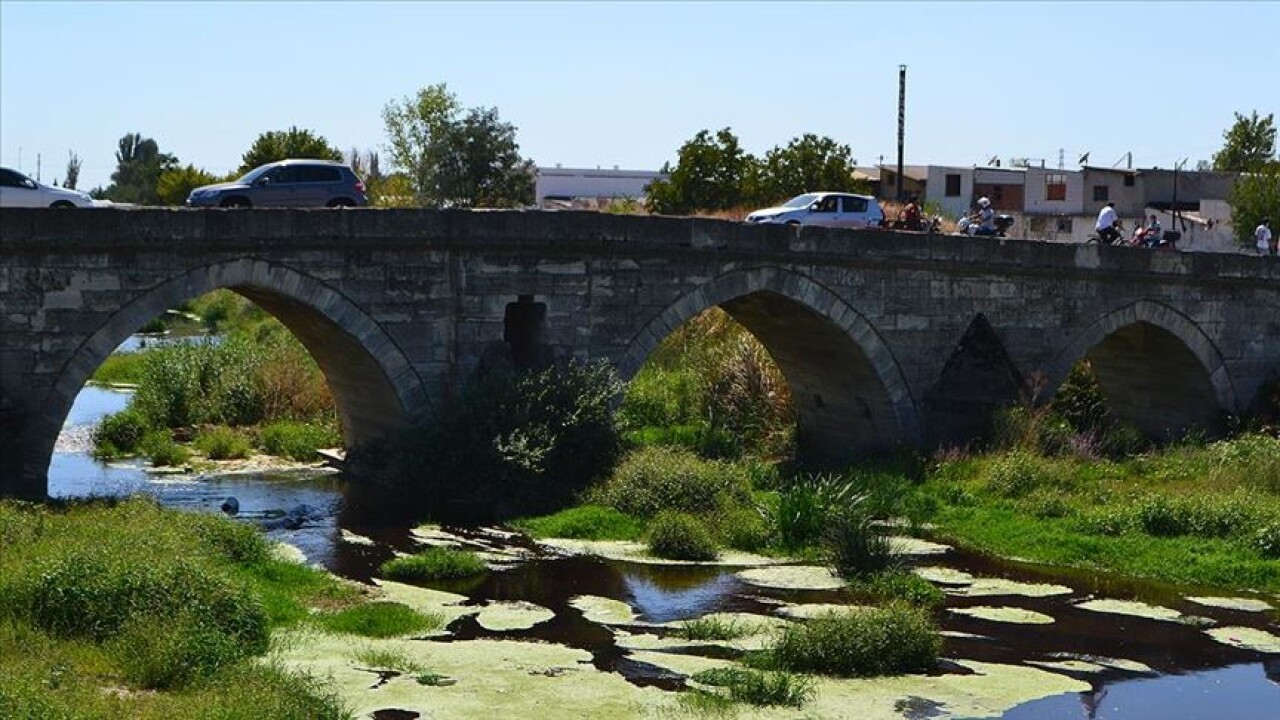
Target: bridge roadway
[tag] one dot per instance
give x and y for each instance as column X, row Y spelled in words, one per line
column 884, row 338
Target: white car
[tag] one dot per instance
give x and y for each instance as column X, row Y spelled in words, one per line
column 824, row 209
column 18, row 190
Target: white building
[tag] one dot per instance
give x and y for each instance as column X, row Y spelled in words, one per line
column 568, row 184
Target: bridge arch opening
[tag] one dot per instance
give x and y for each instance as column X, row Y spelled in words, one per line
column 848, row 395
column 371, row 382
column 1157, row 371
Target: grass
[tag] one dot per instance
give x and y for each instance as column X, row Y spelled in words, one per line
column 120, row 369
column 712, row 628
column 435, row 564
column 887, row 586
column 124, row 594
column 759, row 688
column 584, row 522
column 385, row 658
column 223, row 443
column 894, row 639
column 379, row 620
column 298, row 440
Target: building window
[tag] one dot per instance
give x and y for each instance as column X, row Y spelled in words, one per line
column 1064, row 225
column 1128, row 180
column 1101, row 193
column 1055, row 186
column 953, row 185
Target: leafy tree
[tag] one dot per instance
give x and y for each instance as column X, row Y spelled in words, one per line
column 807, row 163
column 175, row 184
column 139, row 163
column 1256, row 195
column 711, row 173
column 456, row 158
column 1249, row 143
column 292, row 143
column 73, row 171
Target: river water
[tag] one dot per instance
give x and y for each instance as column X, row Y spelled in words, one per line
column 1187, row 674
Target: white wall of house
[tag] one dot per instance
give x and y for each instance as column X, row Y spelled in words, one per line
column 1037, row 201
column 557, row 182
column 936, row 189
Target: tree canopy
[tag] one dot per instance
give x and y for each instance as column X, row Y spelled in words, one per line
column 175, row 184
column 455, row 157
column 139, row 163
column 713, row 172
column 292, row 143
column 1256, row 195
column 1248, row 144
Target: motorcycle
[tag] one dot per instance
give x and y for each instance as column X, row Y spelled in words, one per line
column 968, row 225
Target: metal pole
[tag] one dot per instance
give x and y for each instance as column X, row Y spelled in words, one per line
column 902, row 122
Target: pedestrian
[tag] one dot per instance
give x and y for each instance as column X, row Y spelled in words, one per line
column 1262, row 237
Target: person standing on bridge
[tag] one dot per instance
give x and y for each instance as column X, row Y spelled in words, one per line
column 1262, row 237
column 1106, row 225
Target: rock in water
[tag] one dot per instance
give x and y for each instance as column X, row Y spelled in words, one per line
column 231, row 506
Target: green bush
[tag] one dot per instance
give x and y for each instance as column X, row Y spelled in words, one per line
column 1165, row 516
column 380, row 620
column 855, row 546
column 158, row 445
column 805, row 506
column 653, row 479
column 174, row 651
column 435, row 564
column 680, row 536
column 514, row 442
column 712, row 628
column 1019, row 473
column 1267, row 541
column 897, row 638
column 297, row 440
column 743, row 528
column 584, row 522
column 759, row 688
column 223, row 443
column 119, row 434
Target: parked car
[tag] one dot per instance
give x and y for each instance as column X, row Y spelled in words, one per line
column 287, row 183
column 18, row 190
column 825, row 209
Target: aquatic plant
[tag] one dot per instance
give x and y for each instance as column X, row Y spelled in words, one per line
column 298, row 440
column 897, row 638
column 759, row 688
column 893, row 585
column 584, row 522
column 119, row 434
column 855, row 545
column 712, row 627
column 435, row 563
column 388, row 658
column 223, row 443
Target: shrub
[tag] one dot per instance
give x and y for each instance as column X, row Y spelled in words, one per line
column 119, row 434
column 388, row 659
column 172, row 652
column 743, row 528
column 163, row 451
column 380, row 620
column 514, row 442
column 1018, row 473
column 1164, row 516
column 120, row 369
column 223, row 443
column 297, row 440
column 435, row 564
column 1267, row 541
column 680, row 536
column 759, row 688
column 855, row 546
column 585, row 522
column 654, row 479
column 893, row 639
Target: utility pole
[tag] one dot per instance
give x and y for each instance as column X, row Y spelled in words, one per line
column 902, row 122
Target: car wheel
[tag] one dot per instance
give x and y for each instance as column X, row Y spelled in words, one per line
column 62, row 204
column 235, row 202
column 341, row 203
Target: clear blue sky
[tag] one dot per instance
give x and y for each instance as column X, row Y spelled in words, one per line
column 596, row 83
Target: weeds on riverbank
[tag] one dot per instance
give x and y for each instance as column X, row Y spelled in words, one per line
column 124, row 594
column 379, row 620
column 894, row 639
column 759, row 688
column 584, row 522
column 680, row 536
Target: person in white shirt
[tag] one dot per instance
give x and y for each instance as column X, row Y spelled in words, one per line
column 1262, row 236
column 1106, row 225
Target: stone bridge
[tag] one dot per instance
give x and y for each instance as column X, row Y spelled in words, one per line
column 885, row 338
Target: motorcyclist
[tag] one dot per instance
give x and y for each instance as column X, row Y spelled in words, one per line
column 985, row 218
column 1152, row 233
column 1108, row 224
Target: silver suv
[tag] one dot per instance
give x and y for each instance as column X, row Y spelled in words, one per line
column 825, row 209
column 288, row 183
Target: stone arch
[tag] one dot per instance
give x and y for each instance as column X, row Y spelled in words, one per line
column 850, row 392
column 1160, row 364
column 373, row 383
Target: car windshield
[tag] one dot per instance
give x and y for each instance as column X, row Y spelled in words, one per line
column 254, row 174
column 800, row 201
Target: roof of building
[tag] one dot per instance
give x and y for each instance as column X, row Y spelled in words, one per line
column 919, row 173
